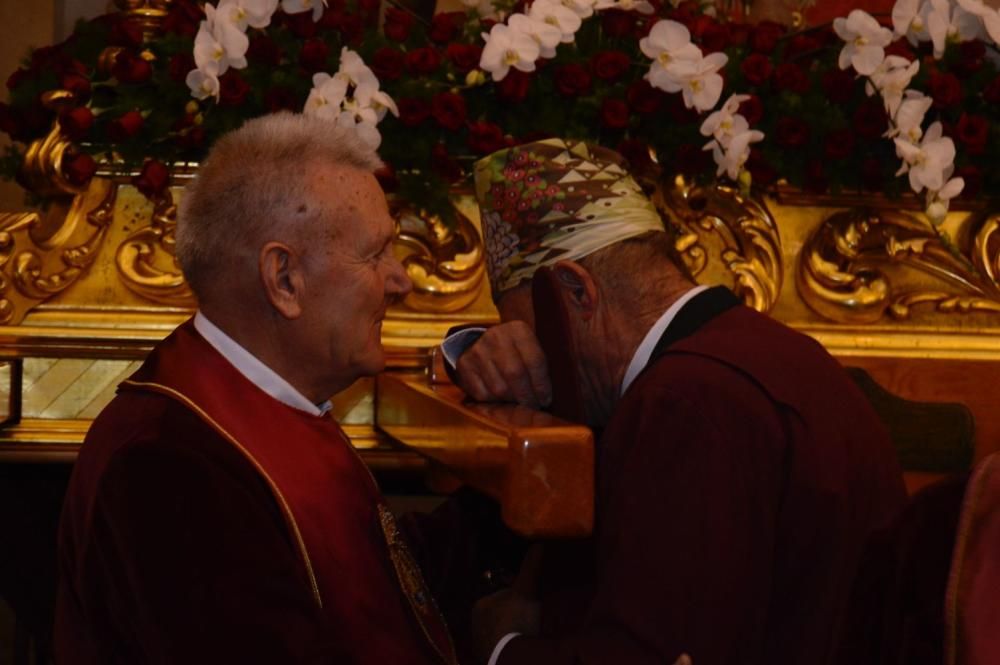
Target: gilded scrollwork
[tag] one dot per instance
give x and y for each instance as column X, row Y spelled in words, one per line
column 446, row 265
column 721, row 228
column 146, row 261
column 863, row 264
column 38, row 267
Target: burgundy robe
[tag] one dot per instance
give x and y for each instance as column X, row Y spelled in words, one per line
column 739, row 480
column 207, row 522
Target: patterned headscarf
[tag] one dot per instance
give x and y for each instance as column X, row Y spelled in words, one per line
column 555, row 200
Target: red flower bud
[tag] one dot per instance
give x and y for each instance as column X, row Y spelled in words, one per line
column 465, row 57
column 121, row 129
column 397, row 24
column 153, row 179
column 765, row 35
column 514, row 87
column 131, row 69
column 973, row 131
column 757, row 68
column 233, row 90
column 610, row 65
column 76, row 122
column 617, row 23
column 444, row 26
column 449, row 110
column 412, row 111
column 485, row 138
column 614, row 114
column 946, row 90
column 387, row 63
column 78, row 84
column 423, row 60
column 79, row 168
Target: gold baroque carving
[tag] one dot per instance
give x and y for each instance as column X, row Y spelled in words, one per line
column 41, row 268
column 718, row 220
column 146, row 261
column 862, row 264
column 41, row 171
column 446, row 265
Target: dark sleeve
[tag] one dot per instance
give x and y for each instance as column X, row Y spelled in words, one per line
column 684, row 541
column 189, row 561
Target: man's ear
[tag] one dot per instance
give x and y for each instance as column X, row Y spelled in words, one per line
column 579, row 290
column 283, row 279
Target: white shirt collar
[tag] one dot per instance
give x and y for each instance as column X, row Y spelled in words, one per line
column 254, row 370
column 645, row 350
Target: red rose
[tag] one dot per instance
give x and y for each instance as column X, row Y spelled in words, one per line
column 130, row 69
column 78, row 84
column 413, row 111
column 789, row 76
column 757, row 68
column 791, row 132
column 313, row 55
column 444, row 26
column 572, row 80
column 643, row 98
column 264, row 51
column 280, row 98
column 233, row 90
column 946, row 90
column 153, row 179
column 839, row 144
column 765, row 35
column 762, row 174
column 448, row 110
column 423, row 60
column 802, row 46
column 609, row 65
column 973, row 131
column 387, row 63
column 739, row 34
column 444, row 164
column 973, row 180
column 992, row 91
column 901, row 47
column 872, row 174
column 617, row 24
column 79, row 169
column 815, row 180
column 637, row 154
column 76, row 122
column 614, row 114
column 124, row 127
column 514, row 87
column 485, row 138
column 870, row 119
column 971, row 56
column 752, row 109
column 397, row 24
column 465, row 57
column 180, row 65
column 838, row 84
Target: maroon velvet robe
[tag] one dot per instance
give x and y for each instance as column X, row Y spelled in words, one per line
column 738, row 482
column 206, row 522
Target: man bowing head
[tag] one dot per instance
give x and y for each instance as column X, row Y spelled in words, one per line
column 217, row 513
column 740, row 472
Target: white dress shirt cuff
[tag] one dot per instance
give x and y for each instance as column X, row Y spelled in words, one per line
column 455, row 344
column 495, row 656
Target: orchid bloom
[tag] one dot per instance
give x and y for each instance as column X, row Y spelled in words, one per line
column 547, row 35
column 909, row 19
column 354, row 69
column 253, row 13
column 484, row 8
column 699, row 81
column 928, row 163
column 891, row 79
column 950, row 24
column 204, row 83
column 668, row 42
column 937, row 202
column 326, row 97
column 300, row 6
column 641, row 6
column 731, row 158
column 558, row 16
column 582, row 8
column 989, row 16
column 909, row 117
column 726, row 123
column 866, row 41
column 221, row 41
column 506, row 48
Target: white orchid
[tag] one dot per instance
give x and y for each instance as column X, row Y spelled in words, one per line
column 930, row 162
column 668, row 42
column 640, row 6
column 946, row 23
column 891, row 80
column 731, row 158
column 326, row 97
column 203, row 83
column 545, row 34
column 582, row 8
column 866, row 41
column 506, row 48
column 555, row 14
column 484, row 8
column 354, row 69
column 989, row 16
column 909, row 19
column 699, row 81
column 219, row 40
column 300, row 6
column 253, row 13
column 937, row 202
column 726, row 123
column 909, row 119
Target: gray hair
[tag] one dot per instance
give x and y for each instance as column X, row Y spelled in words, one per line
column 255, row 186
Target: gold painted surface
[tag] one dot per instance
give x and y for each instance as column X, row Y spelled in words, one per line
column 41, row 170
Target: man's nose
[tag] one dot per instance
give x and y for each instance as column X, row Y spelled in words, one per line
column 398, row 283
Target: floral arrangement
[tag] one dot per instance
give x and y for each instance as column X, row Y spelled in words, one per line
column 907, row 103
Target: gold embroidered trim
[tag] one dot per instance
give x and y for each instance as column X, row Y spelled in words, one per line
column 973, row 495
column 285, row 509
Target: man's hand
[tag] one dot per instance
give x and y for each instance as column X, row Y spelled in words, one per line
column 506, row 364
column 501, row 613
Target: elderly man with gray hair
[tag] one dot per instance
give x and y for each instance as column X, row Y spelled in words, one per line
column 217, row 513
